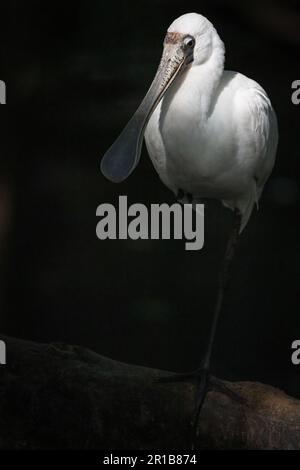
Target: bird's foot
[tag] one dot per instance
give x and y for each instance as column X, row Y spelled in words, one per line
column 196, row 376
column 202, row 375
column 218, row 385
column 201, row 379
column 204, row 382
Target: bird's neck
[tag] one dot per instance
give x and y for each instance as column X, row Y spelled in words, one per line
column 198, row 86
column 208, row 77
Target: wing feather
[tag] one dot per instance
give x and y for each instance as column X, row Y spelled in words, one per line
column 259, row 123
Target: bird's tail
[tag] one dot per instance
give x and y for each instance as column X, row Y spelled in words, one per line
column 245, row 205
column 246, row 213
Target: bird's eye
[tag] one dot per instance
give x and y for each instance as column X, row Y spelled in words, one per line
column 189, row 42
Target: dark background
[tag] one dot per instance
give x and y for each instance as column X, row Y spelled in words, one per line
column 75, row 72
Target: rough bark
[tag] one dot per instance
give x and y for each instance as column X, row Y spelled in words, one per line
column 62, row 396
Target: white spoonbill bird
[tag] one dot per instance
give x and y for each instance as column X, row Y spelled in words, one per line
column 210, row 133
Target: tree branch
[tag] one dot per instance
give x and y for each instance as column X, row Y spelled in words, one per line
column 62, row 396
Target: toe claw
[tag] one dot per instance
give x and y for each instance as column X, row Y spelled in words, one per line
column 219, row 386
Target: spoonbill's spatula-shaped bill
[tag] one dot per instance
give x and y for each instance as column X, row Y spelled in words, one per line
column 124, row 155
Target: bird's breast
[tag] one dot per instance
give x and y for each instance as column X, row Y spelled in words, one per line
column 198, row 149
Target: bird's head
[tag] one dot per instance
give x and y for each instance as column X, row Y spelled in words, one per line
column 193, row 37
column 189, row 42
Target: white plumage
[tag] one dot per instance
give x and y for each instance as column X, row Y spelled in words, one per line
column 214, row 132
column 210, row 133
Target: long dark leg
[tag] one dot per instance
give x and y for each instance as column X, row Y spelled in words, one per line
column 222, row 285
column 201, row 376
